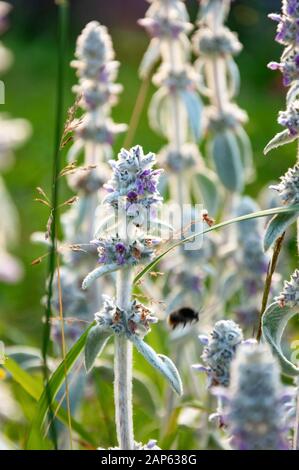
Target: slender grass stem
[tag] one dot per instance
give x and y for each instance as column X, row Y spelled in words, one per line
column 270, row 272
column 137, row 111
column 63, row 10
column 68, row 406
column 123, row 369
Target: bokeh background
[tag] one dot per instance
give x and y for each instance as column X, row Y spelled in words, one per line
column 30, row 93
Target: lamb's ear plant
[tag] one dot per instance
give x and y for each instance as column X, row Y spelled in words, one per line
column 175, row 111
column 278, row 314
column 93, row 135
column 220, row 348
column 288, row 188
column 123, row 244
column 86, row 172
column 251, row 262
column 13, row 132
column 256, row 405
column 215, row 45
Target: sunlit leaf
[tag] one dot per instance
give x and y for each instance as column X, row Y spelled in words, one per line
column 276, row 227
column 96, row 341
column 161, row 363
column 274, row 322
column 279, row 139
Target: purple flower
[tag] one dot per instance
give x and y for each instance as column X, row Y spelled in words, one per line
column 121, row 251
column 289, row 67
column 147, row 180
column 290, row 7
column 132, row 196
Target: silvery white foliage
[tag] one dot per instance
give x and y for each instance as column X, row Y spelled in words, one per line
column 180, row 84
column 231, row 118
column 220, row 348
column 225, row 42
column 175, row 110
column 251, row 262
column 288, row 35
column 250, row 253
column 134, row 178
column 134, row 321
column 93, row 52
column 214, row 7
column 255, row 402
column 215, row 45
column 288, row 188
column 289, row 297
column 97, row 92
column 13, row 133
column 165, row 21
column 134, row 185
column 176, row 161
column 94, row 132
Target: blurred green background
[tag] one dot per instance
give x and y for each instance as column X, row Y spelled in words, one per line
column 30, row 93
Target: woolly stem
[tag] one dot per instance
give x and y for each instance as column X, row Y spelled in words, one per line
column 123, row 369
column 217, row 70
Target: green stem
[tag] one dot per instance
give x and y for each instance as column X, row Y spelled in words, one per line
column 63, row 10
column 137, row 111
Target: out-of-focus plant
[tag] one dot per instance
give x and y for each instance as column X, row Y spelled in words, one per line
column 216, row 46
column 13, row 132
column 251, row 263
column 289, row 66
column 218, row 353
column 255, row 403
column 124, row 243
column 277, row 315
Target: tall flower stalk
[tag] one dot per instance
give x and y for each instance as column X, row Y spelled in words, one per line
column 175, row 113
column 288, row 188
column 123, row 243
column 87, row 168
column 255, row 409
column 287, row 35
column 13, row 133
column 216, row 47
column 175, row 109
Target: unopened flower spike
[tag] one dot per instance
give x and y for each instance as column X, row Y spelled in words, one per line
column 219, row 350
column 251, row 261
column 288, row 188
column 97, row 92
column 255, row 404
column 136, row 320
column 216, row 46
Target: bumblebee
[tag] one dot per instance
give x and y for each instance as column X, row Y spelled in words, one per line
column 182, row 316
